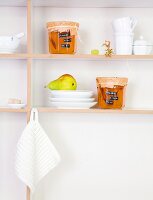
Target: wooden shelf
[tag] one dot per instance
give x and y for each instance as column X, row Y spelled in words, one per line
column 76, row 57
column 90, row 57
column 10, row 110
column 103, row 111
column 93, row 110
column 14, row 56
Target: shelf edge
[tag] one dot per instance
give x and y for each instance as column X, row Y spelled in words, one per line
column 103, row 111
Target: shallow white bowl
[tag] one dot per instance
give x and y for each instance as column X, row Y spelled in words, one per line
column 74, row 105
column 53, row 99
column 7, row 50
column 16, row 106
column 71, row 93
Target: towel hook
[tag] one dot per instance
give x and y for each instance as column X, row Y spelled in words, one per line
column 34, row 115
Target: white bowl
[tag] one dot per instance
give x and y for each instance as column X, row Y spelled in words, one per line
column 16, row 106
column 72, row 105
column 71, row 99
column 71, row 93
column 9, row 44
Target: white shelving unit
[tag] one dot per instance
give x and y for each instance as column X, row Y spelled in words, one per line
column 37, row 51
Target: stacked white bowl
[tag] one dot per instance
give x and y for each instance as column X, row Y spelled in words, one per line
column 71, row 99
column 123, row 34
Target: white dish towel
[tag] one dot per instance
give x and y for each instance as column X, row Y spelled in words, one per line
column 36, row 155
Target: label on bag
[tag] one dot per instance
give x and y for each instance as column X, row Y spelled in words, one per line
column 111, row 93
column 114, row 98
column 66, row 34
column 67, row 40
column 109, row 102
column 65, row 45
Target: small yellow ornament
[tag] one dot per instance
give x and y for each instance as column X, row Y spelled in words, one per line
column 108, row 51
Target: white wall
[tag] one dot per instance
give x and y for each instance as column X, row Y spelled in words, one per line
column 11, row 126
column 12, row 85
column 103, row 156
column 13, row 21
column 95, row 24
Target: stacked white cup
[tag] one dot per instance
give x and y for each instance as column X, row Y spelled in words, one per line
column 123, row 34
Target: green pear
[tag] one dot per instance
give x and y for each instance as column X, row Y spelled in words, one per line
column 64, row 82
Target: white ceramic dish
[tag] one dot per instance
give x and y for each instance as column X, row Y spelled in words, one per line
column 16, row 106
column 74, row 105
column 71, row 93
column 9, row 44
column 8, row 50
column 71, row 99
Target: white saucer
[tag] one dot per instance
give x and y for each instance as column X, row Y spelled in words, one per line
column 71, row 100
column 74, row 105
column 16, row 106
column 71, row 93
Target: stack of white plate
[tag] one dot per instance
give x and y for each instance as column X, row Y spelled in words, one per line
column 78, row 99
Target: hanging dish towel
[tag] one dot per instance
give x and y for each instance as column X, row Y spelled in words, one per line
column 36, row 155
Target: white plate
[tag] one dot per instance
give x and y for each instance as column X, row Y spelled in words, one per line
column 71, row 93
column 71, row 99
column 7, row 51
column 70, row 105
column 16, row 106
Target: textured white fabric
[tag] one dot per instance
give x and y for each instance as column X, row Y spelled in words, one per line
column 36, row 155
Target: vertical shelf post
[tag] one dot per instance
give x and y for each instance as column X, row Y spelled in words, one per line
column 29, row 63
column 29, row 60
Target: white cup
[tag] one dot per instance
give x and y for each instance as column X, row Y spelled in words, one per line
column 123, row 43
column 125, row 24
